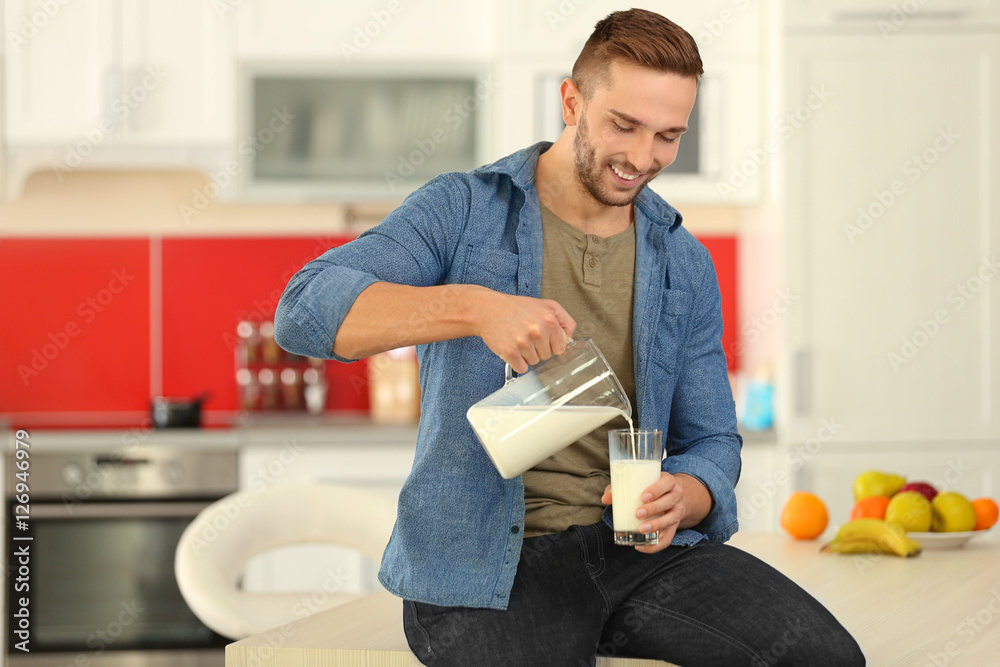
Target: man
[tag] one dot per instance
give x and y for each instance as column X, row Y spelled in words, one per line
column 506, row 263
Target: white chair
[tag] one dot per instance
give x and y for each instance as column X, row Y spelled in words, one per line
column 214, row 549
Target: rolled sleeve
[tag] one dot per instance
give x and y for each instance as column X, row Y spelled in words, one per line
column 412, row 246
column 721, row 523
column 305, row 321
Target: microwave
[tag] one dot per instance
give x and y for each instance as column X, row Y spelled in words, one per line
column 360, row 133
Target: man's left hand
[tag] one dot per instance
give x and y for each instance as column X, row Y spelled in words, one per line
column 674, row 502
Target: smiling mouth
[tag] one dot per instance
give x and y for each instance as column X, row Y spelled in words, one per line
column 625, row 179
column 622, row 174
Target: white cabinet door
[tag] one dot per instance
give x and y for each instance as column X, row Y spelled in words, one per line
column 763, row 487
column 178, row 73
column 60, row 71
column 892, row 220
column 83, row 76
column 890, row 17
column 363, row 31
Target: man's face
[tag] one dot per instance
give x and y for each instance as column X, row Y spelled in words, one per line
column 630, row 130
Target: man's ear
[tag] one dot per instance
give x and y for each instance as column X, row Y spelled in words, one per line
column 572, row 102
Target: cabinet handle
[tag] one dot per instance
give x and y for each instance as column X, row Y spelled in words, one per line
column 136, row 118
column 112, row 92
column 803, row 382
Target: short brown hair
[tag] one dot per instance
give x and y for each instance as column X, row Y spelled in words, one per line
column 636, row 36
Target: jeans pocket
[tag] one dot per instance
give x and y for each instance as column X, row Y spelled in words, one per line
column 416, row 634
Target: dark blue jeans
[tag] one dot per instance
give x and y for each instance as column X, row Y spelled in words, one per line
column 577, row 595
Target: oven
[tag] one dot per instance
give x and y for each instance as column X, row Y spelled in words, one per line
column 98, row 543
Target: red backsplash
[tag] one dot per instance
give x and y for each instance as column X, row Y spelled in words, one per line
column 76, row 338
column 97, row 326
column 210, row 284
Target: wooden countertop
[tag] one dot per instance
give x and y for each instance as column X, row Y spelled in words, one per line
column 940, row 608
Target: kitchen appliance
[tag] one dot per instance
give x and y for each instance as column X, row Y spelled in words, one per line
column 177, row 412
column 366, row 132
column 103, row 526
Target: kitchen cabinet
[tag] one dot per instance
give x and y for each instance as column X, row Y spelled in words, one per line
column 183, row 49
column 560, row 29
column 59, row 70
column 367, row 31
column 889, row 17
column 89, row 81
column 764, row 483
column 109, row 73
column 377, row 458
column 891, row 217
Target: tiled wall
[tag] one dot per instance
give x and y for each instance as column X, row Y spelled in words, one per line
column 94, row 327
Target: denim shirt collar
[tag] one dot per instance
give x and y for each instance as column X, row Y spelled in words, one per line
column 520, row 167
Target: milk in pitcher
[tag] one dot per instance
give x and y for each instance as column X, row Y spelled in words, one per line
column 518, row 437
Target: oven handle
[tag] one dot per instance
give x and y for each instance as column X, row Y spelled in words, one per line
column 145, row 510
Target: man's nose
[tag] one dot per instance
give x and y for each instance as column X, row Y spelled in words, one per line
column 640, row 153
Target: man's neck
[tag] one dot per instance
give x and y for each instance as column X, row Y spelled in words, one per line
column 561, row 191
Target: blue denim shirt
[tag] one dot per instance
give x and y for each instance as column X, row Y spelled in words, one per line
column 458, row 532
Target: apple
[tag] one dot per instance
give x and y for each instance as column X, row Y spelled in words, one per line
column 923, row 488
column 911, row 510
column 952, row 512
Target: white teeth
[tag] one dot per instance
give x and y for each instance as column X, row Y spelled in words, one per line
column 623, row 175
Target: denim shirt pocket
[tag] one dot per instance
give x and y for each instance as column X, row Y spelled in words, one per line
column 493, row 268
column 671, row 329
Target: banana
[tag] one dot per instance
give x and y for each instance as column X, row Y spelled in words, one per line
column 872, row 536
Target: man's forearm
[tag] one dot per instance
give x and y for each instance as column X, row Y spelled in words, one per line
column 386, row 316
column 520, row 330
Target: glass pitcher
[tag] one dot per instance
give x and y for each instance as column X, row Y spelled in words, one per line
column 554, row 404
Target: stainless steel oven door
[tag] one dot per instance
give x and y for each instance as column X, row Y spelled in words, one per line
column 102, row 588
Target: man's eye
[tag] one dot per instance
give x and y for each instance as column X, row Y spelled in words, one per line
column 669, row 140
column 620, row 128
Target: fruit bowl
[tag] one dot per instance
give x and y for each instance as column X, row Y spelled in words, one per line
column 946, row 540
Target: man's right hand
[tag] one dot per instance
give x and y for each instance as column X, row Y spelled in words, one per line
column 523, row 330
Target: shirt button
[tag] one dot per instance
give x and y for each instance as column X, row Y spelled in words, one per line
column 515, row 529
column 592, row 262
column 596, row 239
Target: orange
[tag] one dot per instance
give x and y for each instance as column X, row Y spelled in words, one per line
column 872, row 507
column 804, row 516
column 986, row 512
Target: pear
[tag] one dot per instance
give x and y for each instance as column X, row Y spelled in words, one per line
column 875, row 483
